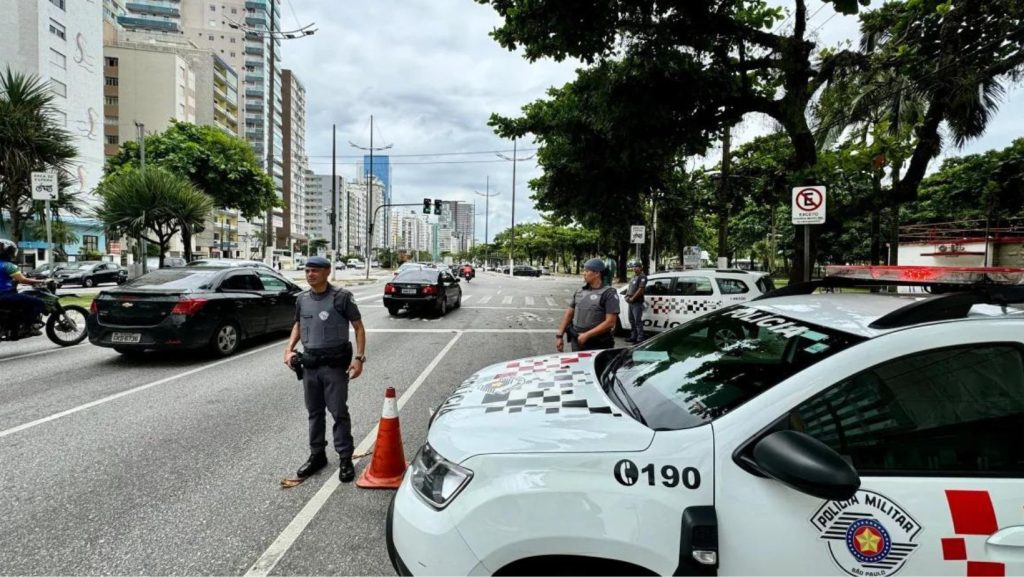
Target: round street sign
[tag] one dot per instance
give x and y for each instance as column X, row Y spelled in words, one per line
column 809, row 205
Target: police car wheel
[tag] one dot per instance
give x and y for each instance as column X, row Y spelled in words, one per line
column 226, row 339
column 725, row 334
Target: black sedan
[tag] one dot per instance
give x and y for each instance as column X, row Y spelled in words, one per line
column 90, row 273
column 45, row 271
column 523, row 270
column 191, row 308
column 427, row 289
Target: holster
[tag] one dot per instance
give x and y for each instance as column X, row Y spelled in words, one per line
column 314, row 358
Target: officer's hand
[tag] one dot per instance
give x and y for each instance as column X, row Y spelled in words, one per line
column 582, row 339
column 559, row 344
column 355, row 369
column 288, row 358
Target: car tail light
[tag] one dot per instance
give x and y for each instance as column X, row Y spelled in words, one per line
column 430, row 290
column 389, row 289
column 188, row 307
column 93, row 308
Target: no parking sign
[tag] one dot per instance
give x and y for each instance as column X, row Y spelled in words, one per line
column 809, row 205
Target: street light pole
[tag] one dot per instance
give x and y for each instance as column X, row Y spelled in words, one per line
column 487, row 217
column 369, row 192
column 512, row 231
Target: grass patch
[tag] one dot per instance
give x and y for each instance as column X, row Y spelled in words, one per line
column 82, row 301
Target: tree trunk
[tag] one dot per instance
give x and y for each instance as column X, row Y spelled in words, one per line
column 723, row 199
column 186, row 239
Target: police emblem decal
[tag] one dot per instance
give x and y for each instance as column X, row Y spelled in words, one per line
column 323, row 315
column 593, row 297
column 868, row 535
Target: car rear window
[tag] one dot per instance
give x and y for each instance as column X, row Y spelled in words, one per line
column 173, row 279
column 417, row 275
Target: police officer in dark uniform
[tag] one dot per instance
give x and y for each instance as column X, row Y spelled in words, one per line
column 322, row 317
column 635, row 298
column 590, row 318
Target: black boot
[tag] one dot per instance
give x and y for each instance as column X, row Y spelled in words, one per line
column 315, row 462
column 346, row 471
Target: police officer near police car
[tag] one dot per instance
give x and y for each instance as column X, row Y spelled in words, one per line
column 322, row 318
column 635, row 299
column 589, row 320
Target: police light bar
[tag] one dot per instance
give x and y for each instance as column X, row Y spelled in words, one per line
column 929, row 274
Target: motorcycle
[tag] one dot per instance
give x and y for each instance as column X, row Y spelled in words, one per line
column 467, row 274
column 65, row 324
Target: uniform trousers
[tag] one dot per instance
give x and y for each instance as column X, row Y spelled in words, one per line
column 327, row 388
column 636, row 321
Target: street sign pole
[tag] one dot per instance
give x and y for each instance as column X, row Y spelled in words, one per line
column 808, row 209
column 807, row 253
column 45, row 187
column 49, row 233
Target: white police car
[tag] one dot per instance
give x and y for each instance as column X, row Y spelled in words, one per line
column 672, row 298
column 858, row 434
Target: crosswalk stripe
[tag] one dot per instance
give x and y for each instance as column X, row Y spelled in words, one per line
column 506, row 301
column 485, row 300
column 529, row 301
column 466, row 297
column 551, row 302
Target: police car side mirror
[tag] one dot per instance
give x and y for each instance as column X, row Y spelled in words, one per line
column 807, row 465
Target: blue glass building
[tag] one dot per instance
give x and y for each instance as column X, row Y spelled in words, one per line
column 382, row 170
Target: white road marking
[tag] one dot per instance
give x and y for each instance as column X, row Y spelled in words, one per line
column 269, row 559
column 16, row 357
column 367, row 297
column 529, row 301
column 485, row 300
column 449, row 331
column 506, row 301
column 140, row 388
column 551, row 302
column 466, row 297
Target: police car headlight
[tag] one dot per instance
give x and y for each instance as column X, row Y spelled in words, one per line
column 436, row 479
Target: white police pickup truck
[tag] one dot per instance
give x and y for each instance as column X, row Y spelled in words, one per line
column 837, row 434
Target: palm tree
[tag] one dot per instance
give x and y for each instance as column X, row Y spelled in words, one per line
column 30, row 140
column 154, row 201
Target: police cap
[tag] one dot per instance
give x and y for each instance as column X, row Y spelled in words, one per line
column 318, row 262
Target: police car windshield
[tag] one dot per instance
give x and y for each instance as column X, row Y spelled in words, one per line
column 703, row 369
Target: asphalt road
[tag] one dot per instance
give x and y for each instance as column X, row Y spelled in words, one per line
column 171, row 464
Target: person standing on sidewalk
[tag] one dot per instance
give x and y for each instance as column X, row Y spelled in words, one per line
column 608, row 274
column 590, row 318
column 322, row 317
column 635, row 298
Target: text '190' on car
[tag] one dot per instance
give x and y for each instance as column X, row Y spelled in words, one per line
column 192, row 308
column 801, row 433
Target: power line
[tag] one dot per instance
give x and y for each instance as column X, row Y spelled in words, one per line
column 323, row 162
column 427, row 154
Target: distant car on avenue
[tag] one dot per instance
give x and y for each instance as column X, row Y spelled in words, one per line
column 426, row 289
column 90, row 273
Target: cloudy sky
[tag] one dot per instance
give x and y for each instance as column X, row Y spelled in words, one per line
column 430, row 74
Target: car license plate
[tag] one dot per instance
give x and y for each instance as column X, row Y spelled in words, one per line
column 408, row 291
column 125, row 337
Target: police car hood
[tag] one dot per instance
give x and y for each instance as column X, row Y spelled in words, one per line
column 548, row 404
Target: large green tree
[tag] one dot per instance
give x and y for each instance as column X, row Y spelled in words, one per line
column 154, row 204
column 31, row 140
column 221, row 165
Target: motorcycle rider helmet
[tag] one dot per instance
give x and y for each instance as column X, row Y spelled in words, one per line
column 8, row 250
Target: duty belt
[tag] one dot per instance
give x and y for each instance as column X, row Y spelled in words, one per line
column 340, row 357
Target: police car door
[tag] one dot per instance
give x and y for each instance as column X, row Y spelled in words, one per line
column 933, row 429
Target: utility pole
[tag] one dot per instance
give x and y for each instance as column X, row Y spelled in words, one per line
column 334, row 198
column 512, row 231
column 369, row 193
column 142, row 168
column 487, row 216
column 723, row 201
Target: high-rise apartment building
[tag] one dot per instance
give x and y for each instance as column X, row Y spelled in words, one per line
column 159, row 15
column 458, row 218
column 295, row 161
column 318, row 209
column 411, row 232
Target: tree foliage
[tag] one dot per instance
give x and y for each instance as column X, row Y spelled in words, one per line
column 31, row 140
column 221, row 165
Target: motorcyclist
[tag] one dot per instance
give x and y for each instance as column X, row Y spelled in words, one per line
column 29, row 306
column 467, row 271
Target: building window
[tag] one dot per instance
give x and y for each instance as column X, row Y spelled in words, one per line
column 211, row 37
column 111, row 62
column 234, row 10
column 110, row 80
column 59, row 88
column 110, row 100
column 110, row 120
column 58, row 59
column 213, row 8
column 111, row 139
column 233, row 40
column 57, row 29
column 232, row 54
column 58, row 3
column 90, row 243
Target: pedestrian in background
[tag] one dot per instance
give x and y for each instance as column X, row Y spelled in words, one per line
column 608, row 274
column 635, row 298
column 322, row 317
column 590, row 318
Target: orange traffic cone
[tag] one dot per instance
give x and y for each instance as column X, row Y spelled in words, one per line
column 388, row 465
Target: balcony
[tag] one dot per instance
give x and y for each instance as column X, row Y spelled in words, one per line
column 255, row 6
column 254, row 50
column 254, row 107
column 147, row 24
column 257, row 78
column 254, row 93
column 143, row 8
column 257, row 20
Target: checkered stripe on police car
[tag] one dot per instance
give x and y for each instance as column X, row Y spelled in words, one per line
column 513, row 368
column 665, row 305
column 551, row 392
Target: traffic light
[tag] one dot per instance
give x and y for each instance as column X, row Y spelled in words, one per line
column 437, row 206
column 426, row 206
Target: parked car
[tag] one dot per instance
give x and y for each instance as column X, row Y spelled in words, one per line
column 523, row 270
column 192, row 307
column 877, row 434
column 230, row 262
column 46, row 270
column 174, row 261
column 90, row 273
column 426, row 289
column 355, row 263
column 673, row 298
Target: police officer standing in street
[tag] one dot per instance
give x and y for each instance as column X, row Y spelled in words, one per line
column 635, row 298
column 590, row 318
column 322, row 317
